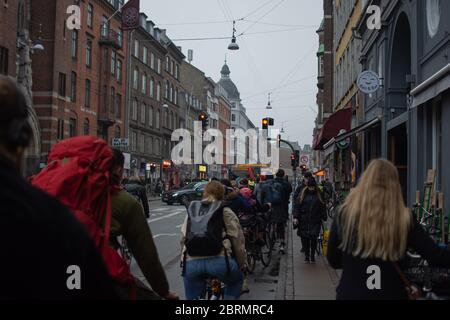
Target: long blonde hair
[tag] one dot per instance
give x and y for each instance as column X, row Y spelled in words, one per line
column 374, row 220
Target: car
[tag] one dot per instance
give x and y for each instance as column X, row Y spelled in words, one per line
column 190, row 192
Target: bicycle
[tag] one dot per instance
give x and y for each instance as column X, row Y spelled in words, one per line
column 257, row 244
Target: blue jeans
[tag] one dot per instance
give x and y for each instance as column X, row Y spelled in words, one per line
column 198, row 270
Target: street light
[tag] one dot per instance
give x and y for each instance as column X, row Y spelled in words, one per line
column 233, row 45
column 269, row 106
column 165, row 106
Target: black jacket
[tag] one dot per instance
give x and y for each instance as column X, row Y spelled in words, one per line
column 279, row 212
column 40, row 240
column 353, row 285
column 138, row 190
column 310, row 213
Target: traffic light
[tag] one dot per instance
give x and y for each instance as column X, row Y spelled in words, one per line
column 203, row 117
column 293, row 160
column 297, row 158
column 279, row 140
column 265, row 123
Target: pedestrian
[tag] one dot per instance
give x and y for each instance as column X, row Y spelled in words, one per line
column 309, row 212
column 301, row 186
column 216, row 248
column 277, row 192
column 41, row 239
column 134, row 187
column 374, row 229
column 128, row 221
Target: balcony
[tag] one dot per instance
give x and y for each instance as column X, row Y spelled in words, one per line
column 110, row 37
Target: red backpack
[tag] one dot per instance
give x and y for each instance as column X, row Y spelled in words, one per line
column 78, row 174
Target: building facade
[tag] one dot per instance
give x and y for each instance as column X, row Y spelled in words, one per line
column 146, row 101
column 79, row 82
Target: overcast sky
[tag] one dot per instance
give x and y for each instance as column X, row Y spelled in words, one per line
column 270, row 60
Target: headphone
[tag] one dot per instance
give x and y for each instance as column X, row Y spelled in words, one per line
column 19, row 133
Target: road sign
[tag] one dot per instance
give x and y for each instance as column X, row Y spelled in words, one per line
column 304, row 159
column 120, row 142
column 368, row 82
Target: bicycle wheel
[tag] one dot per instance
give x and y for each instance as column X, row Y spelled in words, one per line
column 266, row 251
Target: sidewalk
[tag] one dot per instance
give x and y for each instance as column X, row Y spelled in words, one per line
column 305, row 281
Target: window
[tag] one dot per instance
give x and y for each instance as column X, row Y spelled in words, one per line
column 167, row 63
column 321, row 70
column 117, row 132
column 176, row 96
column 118, row 108
column 157, row 147
column 87, row 94
column 105, row 27
column 158, row 91
column 159, row 66
column 141, row 143
column 233, row 117
column 120, row 37
column 171, row 93
column 113, row 100
column 172, row 68
column 143, row 115
column 119, row 71
column 134, row 108
column 136, row 79
column 74, row 49
column 86, row 127
column 136, row 48
column 157, row 119
column 133, row 140
column 89, row 53
column 150, row 116
column 73, row 87
column 145, row 55
column 166, row 92
column 113, row 62
column 177, row 72
column 60, row 130
column 3, row 60
column 150, row 145
column 72, row 127
column 152, row 89
column 90, row 15
column 152, row 61
column 144, row 83
column 62, row 85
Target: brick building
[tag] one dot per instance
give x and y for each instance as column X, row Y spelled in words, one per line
column 79, row 81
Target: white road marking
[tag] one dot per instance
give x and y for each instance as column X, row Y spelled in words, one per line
column 165, row 217
column 179, row 226
column 165, row 234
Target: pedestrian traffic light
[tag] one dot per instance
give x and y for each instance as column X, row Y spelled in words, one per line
column 265, row 123
column 203, row 117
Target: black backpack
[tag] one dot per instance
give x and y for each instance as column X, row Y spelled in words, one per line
column 205, row 226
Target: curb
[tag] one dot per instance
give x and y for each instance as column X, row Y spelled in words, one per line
column 285, row 288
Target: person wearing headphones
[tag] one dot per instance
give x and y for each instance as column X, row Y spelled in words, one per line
column 43, row 242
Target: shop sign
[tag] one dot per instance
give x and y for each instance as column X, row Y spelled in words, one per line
column 202, row 168
column 368, row 82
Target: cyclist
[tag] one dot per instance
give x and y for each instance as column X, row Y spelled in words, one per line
column 134, row 186
column 374, row 228
column 128, row 221
column 308, row 215
column 230, row 262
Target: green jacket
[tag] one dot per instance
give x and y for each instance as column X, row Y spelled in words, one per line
column 128, row 220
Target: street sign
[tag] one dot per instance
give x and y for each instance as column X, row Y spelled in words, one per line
column 120, row 142
column 127, row 163
column 368, row 82
column 304, row 159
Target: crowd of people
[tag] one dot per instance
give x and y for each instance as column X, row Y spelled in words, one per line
column 74, row 212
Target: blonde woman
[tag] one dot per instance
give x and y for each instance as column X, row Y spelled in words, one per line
column 213, row 245
column 371, row 234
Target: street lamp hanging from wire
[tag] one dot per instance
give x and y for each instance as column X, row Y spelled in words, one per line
column 269, row 105
column 233, row 45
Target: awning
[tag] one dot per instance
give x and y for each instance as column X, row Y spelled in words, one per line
column 432, row 87
column 340, row 120
column 358, row 129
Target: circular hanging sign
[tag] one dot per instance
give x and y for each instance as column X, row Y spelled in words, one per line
column 304, row 159
column 344, row 143
column 368, row 82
